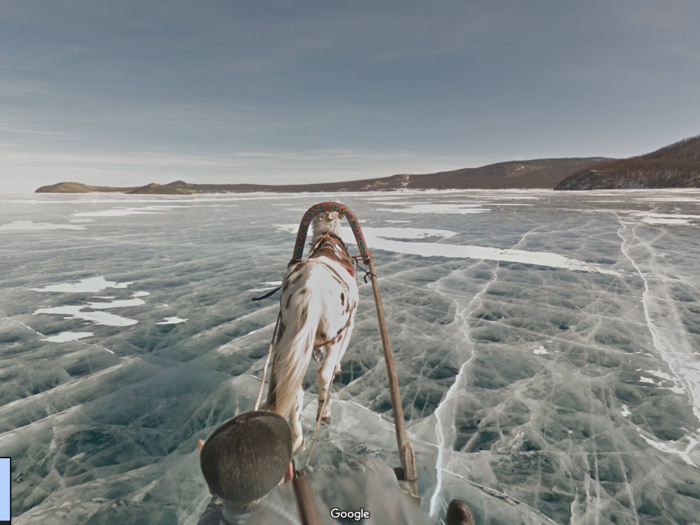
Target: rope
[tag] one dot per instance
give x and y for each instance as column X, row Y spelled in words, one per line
column 356, row 263
column 266, row 295
column 267, row 361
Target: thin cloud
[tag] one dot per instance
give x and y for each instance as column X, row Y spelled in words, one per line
column 60, row 134
column 288, row 160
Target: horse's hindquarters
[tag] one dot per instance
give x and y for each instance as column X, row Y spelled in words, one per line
column 318, row 303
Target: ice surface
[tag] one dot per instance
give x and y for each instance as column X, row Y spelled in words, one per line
column 548, row 355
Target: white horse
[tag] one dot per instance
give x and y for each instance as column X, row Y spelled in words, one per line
column 318, row 303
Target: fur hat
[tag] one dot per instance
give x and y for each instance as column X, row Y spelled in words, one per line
column 246, row 457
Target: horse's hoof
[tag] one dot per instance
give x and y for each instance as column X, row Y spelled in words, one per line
column 324, row 419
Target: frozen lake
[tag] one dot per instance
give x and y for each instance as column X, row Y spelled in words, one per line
column 547, row 345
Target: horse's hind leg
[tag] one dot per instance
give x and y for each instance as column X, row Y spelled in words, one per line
column 324, row 376
column 295, row 418
column 329, row 368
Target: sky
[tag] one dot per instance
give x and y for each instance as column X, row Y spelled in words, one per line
column 273, row 91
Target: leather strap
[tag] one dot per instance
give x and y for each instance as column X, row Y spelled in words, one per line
column 331, row 246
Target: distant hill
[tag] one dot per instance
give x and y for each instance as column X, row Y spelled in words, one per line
column 675, row 166
column 160, row 189
column 76, row 187
column 526, row 174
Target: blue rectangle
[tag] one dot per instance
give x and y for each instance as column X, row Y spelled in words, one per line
column 5, row 490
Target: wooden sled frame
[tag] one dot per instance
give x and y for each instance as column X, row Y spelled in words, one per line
column 344, row 211
column 407, row 475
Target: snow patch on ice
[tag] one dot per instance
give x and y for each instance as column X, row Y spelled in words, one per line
column 439, row 208
column 670, row 199
column 115, row 212
column 122, row 212
column 76, row 312
column 677, row 387
column 684, row 454
column 657, row 373
column 399, row 233
column 172, row 320
column 91, row 285
column 652, row 220
column 86, row 311
column 384, row 239
column 122, row 303
column 64, row 337
column 30, row 226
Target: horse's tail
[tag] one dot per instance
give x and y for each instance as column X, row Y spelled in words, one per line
column 293, row 353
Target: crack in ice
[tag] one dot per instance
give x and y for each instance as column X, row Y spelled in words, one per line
column 461, row 314
column 501, row 495
column 667, row 348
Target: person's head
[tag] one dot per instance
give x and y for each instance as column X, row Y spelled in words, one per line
column 246, row 457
